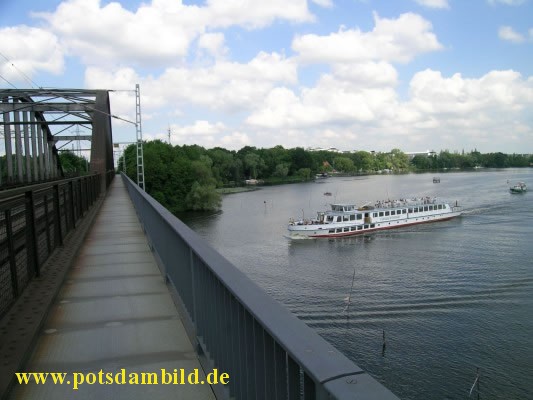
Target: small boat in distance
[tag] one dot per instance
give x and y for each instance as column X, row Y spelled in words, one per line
column 327, row 193
column 345, row 219
column 436, row 179
column 519, row 187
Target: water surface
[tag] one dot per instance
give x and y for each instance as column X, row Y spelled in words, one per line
column 451, row 296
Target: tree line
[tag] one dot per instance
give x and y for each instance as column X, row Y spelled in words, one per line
column 187, row 177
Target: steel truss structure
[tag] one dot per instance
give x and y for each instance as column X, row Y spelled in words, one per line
column 34, row 124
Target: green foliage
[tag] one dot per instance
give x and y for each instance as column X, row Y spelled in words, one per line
column 304, row 173
column 343, row 164
column 203, row 197
column 281, row 170
column 73, row 164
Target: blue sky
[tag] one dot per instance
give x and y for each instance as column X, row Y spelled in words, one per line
column 352, row 74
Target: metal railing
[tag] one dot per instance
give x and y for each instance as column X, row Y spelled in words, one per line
column 34, row 220
column 239, row 329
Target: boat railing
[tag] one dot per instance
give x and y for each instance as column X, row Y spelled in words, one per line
column 417, row 201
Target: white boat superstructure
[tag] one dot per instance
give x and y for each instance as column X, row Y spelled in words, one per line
column 346, row 219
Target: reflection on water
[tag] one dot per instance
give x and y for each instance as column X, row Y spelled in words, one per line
column 450, row 296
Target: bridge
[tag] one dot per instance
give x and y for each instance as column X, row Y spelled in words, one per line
column 104, row 287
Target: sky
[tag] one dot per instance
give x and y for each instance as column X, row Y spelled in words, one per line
column 369, row 75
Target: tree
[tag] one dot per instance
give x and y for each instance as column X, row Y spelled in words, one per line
column 343, row 164
column 304, row 173
column 253, row 164
column 281, row 170
column 400, row 160
column 203, row 197
column 300, row 159
column 363, row 161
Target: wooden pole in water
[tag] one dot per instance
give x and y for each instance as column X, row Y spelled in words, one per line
column 384, row 345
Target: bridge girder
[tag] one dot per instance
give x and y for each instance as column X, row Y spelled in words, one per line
column 33, row 121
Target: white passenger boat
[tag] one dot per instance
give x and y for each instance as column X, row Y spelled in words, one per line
column 344, row 219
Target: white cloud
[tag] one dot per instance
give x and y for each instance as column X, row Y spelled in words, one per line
column 509, row 34
column 434, row 3
column 324, row 3
column 155, row 33
column 213, row 43
column 159, row 32
column 476, row 111
column 235, row 141
column 369, row 74
column 392, row 40
column 227, row 87
column 255, row 14
column 441, row 112
column 332, row 101
column 207, row 134
column 31, row 50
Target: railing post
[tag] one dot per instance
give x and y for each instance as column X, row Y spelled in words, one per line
column 58, row 235
column 31, row 236
column 11, row 250
column 309, row 388
column 293, row 379
column 45, row 203
column 71, row 201
column 193, row 288
column 80, row 199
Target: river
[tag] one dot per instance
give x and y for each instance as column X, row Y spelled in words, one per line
column 450, row 296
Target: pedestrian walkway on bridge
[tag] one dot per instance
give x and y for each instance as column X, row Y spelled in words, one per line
column 113, row 313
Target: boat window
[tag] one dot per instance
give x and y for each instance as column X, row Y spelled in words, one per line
column 359, row 216
column 440, row 206
column 425, row 208
column 381, row 213
column 410, row 210
column 404, row 211
column 352, row 217
column 430, row 208
column 375, row 214
column 386, row 213
column 346, row 218
column 393, row 212
column 339, row 230
column 332, row 231
column 346, row 229
column 366, row 226
column 372, row 225
column 330, row 218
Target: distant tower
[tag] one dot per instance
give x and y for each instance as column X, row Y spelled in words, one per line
column 169, row 135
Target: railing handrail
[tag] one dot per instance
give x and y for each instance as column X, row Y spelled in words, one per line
column 317, row 358
column 20, row 190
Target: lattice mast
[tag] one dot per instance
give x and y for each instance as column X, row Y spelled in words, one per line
column 138, row 127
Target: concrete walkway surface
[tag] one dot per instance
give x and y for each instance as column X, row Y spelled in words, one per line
column 114, row 316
